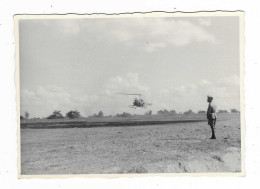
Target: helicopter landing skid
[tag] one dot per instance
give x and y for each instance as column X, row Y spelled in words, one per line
column 132, row 107
column 137, row 107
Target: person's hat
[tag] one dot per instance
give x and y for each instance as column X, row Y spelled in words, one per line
column 210, row 97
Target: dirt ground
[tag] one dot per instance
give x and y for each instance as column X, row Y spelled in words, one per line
column 168, row 148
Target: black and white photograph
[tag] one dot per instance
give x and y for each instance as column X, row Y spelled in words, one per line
column 129, row 94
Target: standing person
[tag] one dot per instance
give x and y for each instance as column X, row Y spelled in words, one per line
column 212, row 116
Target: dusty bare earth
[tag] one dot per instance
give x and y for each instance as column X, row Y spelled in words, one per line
column 167, row 148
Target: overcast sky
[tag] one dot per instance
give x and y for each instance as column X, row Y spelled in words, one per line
column 174, row 63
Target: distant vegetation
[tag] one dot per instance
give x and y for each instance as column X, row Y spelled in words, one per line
column 124, row 114
column 201, row 112
column 222, row 111
column 100, row 114
column 166, row 112
column 55, row 115
column 149, row 112
column 188, row 112
column 73, row 114
column 26, row 115
column 234, row 111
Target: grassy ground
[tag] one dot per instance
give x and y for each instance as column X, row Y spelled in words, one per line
column 161, row 148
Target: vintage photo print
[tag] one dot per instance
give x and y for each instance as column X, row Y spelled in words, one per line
column 130, row 94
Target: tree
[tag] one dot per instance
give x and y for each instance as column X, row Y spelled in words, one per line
column 172, row 112
column 188, row 112
column 201, row 112
column 26, row 115
column 234, row 111
column 55, row 115
column 21, row 117
column 124, row 114
column 222, row 111
column 100, row 114
column 165, row 111
column 162, row 112
column 73, row 114
column 149, row 112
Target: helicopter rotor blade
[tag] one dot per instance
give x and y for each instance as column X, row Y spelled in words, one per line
column 128, row 94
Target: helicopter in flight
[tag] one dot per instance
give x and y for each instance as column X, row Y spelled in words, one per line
column 137, row 102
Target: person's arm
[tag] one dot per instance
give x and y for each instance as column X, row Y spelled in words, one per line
column 209, row 112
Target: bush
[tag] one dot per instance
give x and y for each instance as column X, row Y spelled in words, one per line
column 166, row 112
column 21, row 117
column 188, row 112
column 100, row 114
column 73, row 114
column 26, row 115
column 124, row 114
column 55, row 115
column 234, row 111
column 149, row 112
column 222, row 111
column 172, row 112
column 201, row 112
column 94, row 115
column 162, row 112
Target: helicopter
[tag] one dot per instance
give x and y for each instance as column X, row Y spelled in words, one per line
column 137, row 102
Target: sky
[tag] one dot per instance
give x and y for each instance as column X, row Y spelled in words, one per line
column 174, row 62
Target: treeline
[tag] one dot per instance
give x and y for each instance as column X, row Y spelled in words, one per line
column 76, row 114
column 56, row 114
column 172, row 112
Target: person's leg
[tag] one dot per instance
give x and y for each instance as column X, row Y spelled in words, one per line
column 214, row 123
column 212, row 126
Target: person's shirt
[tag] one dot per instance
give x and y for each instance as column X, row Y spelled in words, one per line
column 212, row 108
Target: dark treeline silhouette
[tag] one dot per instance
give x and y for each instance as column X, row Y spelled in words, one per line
column 58, row 115
column 166, row 112
column 188, row 112
column 149, row 112
column 100, row 114
column 234, row 111
column 25, row 116
column 222, row 111
column 73, row 114
column 55, row 115
column 124, row 114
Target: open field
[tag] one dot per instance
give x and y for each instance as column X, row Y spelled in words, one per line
column 160, row 148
